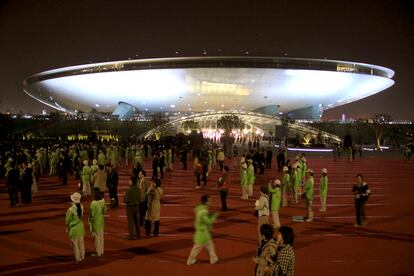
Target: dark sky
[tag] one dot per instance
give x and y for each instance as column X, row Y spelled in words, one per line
column 37, row 35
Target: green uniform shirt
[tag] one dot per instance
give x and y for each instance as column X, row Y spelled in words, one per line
column 74, row 223
column 96, row 217
column 286, row 182
column 203, row 223
column 323, row 186
column 250, row 174
column 276, row 198
column 308, row 190
column 296, row 178
column 244, row 178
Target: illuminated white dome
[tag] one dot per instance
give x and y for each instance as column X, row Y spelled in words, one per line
column 199, row 84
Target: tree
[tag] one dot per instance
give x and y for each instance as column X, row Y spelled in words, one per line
column 230, row 122
column 190, row 125
column 380, row 122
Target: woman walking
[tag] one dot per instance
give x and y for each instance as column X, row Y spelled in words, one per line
column 96, row 221
column 75, row 228
column 152, row 215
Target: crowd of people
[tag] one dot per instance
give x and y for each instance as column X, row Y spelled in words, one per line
column 94, row 165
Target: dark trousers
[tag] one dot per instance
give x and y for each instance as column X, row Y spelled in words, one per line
column 133, row 217
column 13, row 196
column 113, row 196
column 360, row 211
column 162, row 171
column 154, row 173
column 142, row 211
column 198, row 176
column 268, row 163
column 148, row 227
column 221, row 163
column 223, row 197
column 26, row 193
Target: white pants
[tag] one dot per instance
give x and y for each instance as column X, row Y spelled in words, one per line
column 99, row 242
column 192, row 259
column 245, row 193
column 78, row 248
column 275, row 217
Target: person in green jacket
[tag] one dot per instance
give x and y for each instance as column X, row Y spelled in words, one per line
column 323, row 189
column 295, row 182
column 274, row 189
column 75, row 228
column 96, row 221
column 243, row 173
column 250, row 177
column 202, row 236
column 308, row 195
column 286, row 185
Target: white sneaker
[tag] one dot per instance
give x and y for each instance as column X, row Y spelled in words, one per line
column 309, row 220
column 197, row 187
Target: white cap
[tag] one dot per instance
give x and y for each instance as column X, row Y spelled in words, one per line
column 242, row 160
column 278, row 182
column 324, row 170
column 85, row 162
column 75, row 197
column 309, row 171
column 285, row 169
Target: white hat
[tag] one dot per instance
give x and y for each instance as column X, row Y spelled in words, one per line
column 75, row 197
column 278, row 182
column 85, row 162
column 309, row 171
column 285, row 169
column 324, row 170
column 242, row 160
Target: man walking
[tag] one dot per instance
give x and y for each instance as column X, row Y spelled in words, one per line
column 202, row 237
column 132, row 201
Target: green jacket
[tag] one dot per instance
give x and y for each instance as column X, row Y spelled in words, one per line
column 276, row 198
column 308, row 190
column 286, row 182
column 244, row 178
column 296, row 178
column 303, row 167
column 96, row 216
column 323, row 186
column 86, row 174
column 250, row 175
column 202, row 224
column 74, row 223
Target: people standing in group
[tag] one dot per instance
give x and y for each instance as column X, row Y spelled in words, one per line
column 13, row 184
column 97, row 221
column 265, row 252
column 286, row 185
column 250, row 177
column 132, row 200
column 275, row 201
column 308, row 195
column 152, row 216
column 262, row 208
column 223, row 187
column 361, row 192
column 202, row 236
column 285, row 257
column 112, row 184
column 75, row 228
column 323, row 189
column 143, row 185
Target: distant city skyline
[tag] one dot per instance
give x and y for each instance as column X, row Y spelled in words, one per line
column 39, row 35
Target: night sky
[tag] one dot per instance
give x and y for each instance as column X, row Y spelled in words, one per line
column 37, row 35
